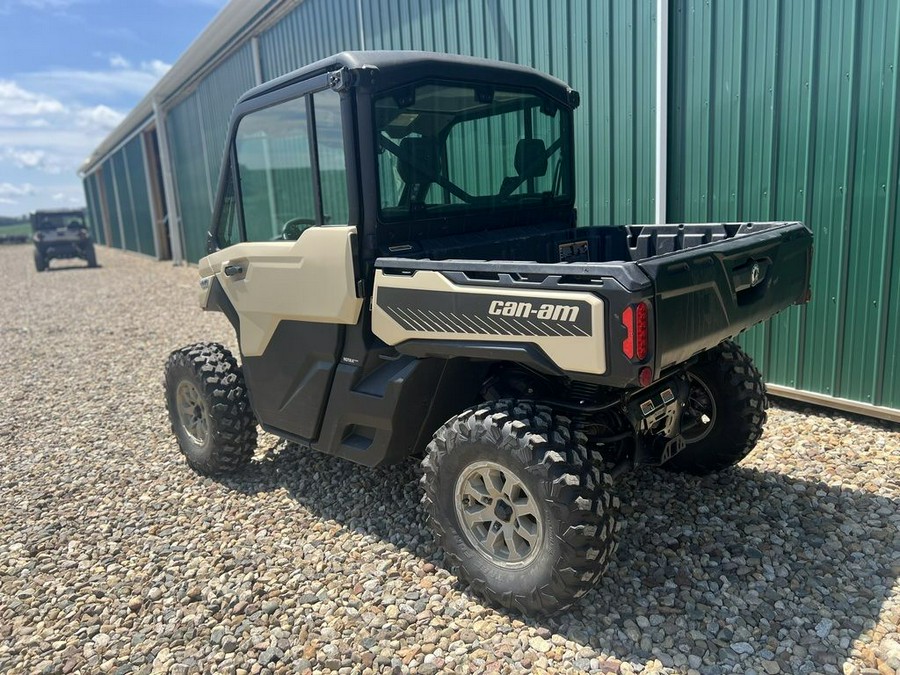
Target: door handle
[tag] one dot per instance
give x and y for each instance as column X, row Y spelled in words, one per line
column 232, row 270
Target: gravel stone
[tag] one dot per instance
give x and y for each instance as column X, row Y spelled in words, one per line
column 823, row 628
column 539, row 644
column 115, row 557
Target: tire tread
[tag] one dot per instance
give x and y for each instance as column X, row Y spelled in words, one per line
column 581, row 504
column 231, row 416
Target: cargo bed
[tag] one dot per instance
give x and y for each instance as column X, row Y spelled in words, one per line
column 703, row 282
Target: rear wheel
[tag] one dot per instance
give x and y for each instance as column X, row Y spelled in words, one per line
column 209, row 409
column 519, row 509
column 40, row 263
column 725, row 412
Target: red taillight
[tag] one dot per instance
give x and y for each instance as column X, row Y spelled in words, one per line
column 642, row 331
column 628, row 342
column 636, row 321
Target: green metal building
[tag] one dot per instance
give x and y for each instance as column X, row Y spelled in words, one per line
column 692, row 110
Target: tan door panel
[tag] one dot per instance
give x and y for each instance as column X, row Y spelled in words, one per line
column 310, row 279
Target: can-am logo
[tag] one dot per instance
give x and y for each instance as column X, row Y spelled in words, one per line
column 525, row 310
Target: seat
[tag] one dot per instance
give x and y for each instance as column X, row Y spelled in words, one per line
column 530, row 161
column 419, row 163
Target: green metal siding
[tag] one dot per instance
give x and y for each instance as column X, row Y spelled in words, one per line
column 197, row 127
column 139, row 203
column 788, row 110
column 605, row 50
column 93, row 212
column 126, row 201
column 314, row 30
column 115, row 234
column 130, row 185
column 216, row 97
column 190, row 175
column 93, row 184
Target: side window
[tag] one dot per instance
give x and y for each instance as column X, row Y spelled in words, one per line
column 332, row 169
column 275, row 172
column 226, row 227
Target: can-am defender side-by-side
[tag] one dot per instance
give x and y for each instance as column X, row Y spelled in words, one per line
column 61, row 234
column 395, row 243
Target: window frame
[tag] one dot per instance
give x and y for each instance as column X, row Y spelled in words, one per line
column 305, row 89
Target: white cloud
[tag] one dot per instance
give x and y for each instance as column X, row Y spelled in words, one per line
column 14, row 100
column 119, row 61
column 20, row 190
column 27, row 158
column 108, row 84
column 51, row 120
column 39, row 132
column 100, row 117
column 7, row 6
column 53, row 138
column 155, row 67
column 31, row 159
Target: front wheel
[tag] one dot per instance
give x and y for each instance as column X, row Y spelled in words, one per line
column 725, row 412
column 40, row 263
column 90, row 257
column 519, row 509
column 209, row 409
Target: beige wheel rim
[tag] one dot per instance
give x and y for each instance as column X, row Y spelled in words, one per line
column 498, row 514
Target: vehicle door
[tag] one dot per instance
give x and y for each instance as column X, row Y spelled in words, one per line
column 287, row 259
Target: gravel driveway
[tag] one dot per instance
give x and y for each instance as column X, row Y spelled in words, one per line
column 115, row 557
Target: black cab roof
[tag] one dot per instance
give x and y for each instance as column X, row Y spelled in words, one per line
column 390, row 69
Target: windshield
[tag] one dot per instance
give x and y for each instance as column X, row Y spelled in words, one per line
column 447, row 148
column 52, row 221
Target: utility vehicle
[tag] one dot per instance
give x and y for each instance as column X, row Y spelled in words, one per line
column 61, row 234
column 396, row 245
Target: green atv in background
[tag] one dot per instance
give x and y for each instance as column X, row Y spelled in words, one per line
column 61, row 234
column 396, row 243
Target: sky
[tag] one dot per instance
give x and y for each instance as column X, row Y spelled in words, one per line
column 70, row 70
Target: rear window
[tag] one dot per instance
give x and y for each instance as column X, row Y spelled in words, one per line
column 446, row 149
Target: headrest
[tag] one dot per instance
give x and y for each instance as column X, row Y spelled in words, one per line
column 531, row 158
column 419, row 160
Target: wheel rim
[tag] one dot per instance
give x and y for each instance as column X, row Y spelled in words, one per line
column 699, row 415
column 192, row 412
column 498, row 515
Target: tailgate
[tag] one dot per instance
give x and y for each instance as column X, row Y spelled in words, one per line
column 708, row 293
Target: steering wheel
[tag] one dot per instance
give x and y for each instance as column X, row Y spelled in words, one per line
column 295, row 227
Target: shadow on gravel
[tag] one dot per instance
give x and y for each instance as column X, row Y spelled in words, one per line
column 66, row 268
column 744, row 567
